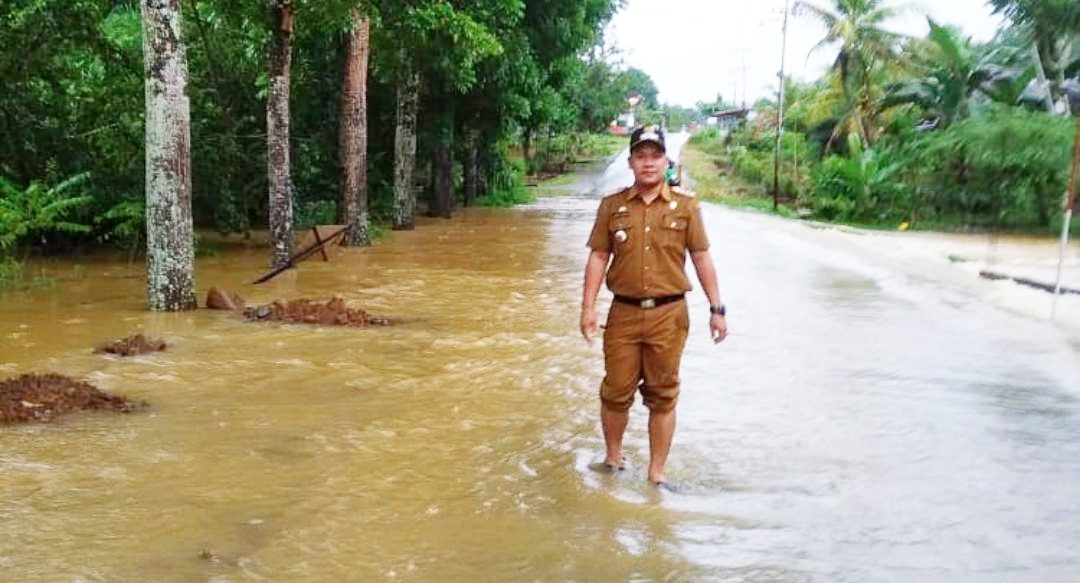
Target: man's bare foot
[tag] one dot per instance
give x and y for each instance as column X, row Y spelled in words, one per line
column 666, row 486
column 608, row 467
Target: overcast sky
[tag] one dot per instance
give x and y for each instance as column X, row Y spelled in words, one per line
column 694, row 49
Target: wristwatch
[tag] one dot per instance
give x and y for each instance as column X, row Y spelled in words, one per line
column 721, row 309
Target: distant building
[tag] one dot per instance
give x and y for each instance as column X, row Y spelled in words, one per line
column 728, row 119
column 623, row 125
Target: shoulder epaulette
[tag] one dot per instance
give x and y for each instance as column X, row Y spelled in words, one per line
column 618, row 192
column 683, row 191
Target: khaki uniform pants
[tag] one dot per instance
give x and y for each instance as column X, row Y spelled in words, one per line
column 642, row 350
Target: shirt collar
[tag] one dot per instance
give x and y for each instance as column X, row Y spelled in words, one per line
column 665, row 192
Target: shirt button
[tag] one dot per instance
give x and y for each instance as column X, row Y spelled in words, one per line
column 646, row 247
column 647, row 229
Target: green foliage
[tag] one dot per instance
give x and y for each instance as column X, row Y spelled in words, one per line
column 1007, row 168
column 603, row 145
column 507, row 186
column 124, row 224
column 315, row 212
column 1054, row 28
column 556, row 153
column 849, row 155
column 72, row 96
column 854, row 187
column 954, row 77
column 37, row 210
column 455, row 42
column 708, row 140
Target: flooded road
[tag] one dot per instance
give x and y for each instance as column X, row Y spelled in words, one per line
column 856, row 425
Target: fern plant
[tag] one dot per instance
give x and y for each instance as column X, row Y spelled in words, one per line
column 38, row 209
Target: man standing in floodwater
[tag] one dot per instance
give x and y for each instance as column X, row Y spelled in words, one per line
column 648, row 228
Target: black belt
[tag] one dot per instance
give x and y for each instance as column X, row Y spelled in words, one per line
column 648, row 303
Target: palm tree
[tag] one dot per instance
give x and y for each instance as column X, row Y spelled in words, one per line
column 864, row 46
column 950, row 76
column 1053, row 26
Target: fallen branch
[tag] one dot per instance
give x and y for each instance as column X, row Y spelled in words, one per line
column 317, row 246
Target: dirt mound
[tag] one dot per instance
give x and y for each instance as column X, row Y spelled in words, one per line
column 220, row 299
column 132, row 345
column 332, row 313
column 40, row 398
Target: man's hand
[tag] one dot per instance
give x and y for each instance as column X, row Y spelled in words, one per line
column 718, row 328
column 588, row 323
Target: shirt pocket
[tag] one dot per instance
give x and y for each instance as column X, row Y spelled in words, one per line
column 621, row 231
column 673, row 228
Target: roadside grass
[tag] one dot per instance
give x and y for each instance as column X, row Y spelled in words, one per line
column 560, row 180
column 597, row 147
column 506, row 198
column 561, row 185
column 583, row 153
column 713, row 182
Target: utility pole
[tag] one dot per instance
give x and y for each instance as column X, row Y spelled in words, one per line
column 744, row 76
column 780, row 115
column 1070, row 200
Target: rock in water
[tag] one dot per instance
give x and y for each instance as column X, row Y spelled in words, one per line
column 137, row 344
column 217, row 299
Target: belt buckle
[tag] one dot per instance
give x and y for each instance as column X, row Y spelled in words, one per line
column 648, row 304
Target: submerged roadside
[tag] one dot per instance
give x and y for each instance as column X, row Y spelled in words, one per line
column 960, row 259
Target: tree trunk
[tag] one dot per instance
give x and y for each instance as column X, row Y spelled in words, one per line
column 483, row 170
column 408, row 93
column 352, row 133
column 470, row 166
column 170, row 252
column 443, row 164
column 277, row 134
column 526, row 145
column 440, row 200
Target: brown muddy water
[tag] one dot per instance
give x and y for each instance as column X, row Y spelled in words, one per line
column 856, row 426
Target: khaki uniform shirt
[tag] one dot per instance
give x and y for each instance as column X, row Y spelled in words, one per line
column 648, row 242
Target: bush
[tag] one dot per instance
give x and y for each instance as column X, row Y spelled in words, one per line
column 859, row 187
column 1006, row 168
column 124, row 225
column 506, row 182
column 315, row 212
column 555, row 153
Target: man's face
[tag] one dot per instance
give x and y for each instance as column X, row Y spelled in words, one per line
column 648, row 163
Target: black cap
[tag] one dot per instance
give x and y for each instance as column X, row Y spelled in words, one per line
column 647, row 134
